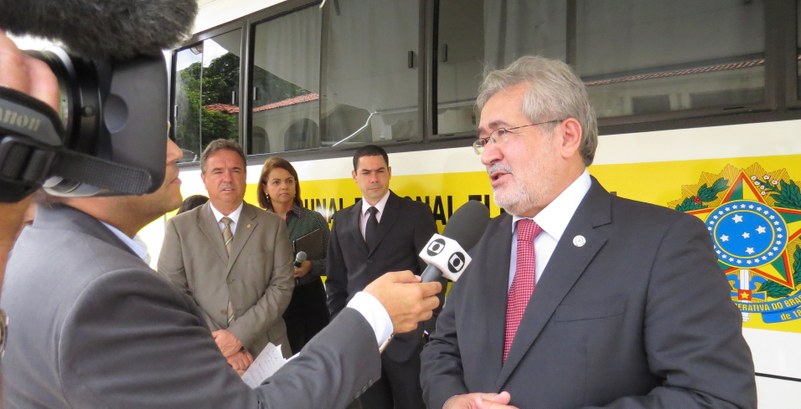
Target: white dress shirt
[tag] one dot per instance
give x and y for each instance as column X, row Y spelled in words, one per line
column 553, row 220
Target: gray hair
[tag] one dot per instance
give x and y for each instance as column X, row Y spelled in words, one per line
column 555, row 92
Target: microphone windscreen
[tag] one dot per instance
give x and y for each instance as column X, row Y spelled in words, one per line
column 103, row 28
column 467, row 224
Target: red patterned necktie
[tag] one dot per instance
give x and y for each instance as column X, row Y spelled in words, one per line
column 524, row 281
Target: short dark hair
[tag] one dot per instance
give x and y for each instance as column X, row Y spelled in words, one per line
column 369, row 150
column 192, row 202
column 269, row 165
column 221, row 145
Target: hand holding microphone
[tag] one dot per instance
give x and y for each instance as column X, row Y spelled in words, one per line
column 300, row 258
column 298, row 272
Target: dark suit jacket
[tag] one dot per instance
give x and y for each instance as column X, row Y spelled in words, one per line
column 257, row 276
column 92, row 326
column 638, row 317
column 406, row 226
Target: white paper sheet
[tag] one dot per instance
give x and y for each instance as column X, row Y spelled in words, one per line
column 264, row 366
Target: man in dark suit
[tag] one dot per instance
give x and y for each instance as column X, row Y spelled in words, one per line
column 575, row 297
column 97, row 328
column 243, row 286
column 381, row 232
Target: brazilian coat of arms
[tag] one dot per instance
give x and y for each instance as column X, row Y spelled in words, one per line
column 754, row 219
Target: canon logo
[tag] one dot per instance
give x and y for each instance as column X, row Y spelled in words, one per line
column 18, row 120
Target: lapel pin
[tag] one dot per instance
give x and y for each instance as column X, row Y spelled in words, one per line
column 248, row 226
column 579, row 241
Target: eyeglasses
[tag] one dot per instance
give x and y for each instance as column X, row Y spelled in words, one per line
column 501, row 135
column 3, row 332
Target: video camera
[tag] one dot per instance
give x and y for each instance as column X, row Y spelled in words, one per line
column 109, row 137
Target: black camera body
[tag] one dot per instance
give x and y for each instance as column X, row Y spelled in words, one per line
column 109, row 137
column 111, row 134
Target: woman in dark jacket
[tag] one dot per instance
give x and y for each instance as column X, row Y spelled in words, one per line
column 279, row 192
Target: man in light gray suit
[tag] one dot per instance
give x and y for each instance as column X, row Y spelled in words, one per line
column 575, row 297
column 95, row 327
column 243, row 286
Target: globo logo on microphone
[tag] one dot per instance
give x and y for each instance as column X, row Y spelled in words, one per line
column 447, row 255
column 435, row 246
column 457, row 262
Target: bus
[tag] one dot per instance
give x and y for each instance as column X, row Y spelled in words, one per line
column 699, row 107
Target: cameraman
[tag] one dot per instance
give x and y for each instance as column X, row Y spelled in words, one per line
column 25, row 74
column 94, row 326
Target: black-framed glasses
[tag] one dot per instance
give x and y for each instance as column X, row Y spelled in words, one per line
column 501, row 135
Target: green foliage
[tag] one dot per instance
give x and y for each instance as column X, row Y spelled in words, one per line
column 689, row 204
column 198, row 87
column 708, row 194
column 705, row 194
column 273, row 88
column 789, row 196
column 217, row 125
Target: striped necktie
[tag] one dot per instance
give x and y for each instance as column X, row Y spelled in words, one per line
column 228, row 238
column 228, row 235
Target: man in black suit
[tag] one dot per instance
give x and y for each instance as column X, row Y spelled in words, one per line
column 575, row 297
column 381, row 232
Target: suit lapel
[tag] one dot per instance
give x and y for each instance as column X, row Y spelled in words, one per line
column 352, row 219
column 388, row 219
column 244, row 229
column 208, row 225
column 567, row 264
column 496, row 287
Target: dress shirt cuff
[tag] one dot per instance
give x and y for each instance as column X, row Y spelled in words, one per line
column 376, row 315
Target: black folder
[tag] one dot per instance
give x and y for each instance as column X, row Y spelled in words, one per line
column 312, row 243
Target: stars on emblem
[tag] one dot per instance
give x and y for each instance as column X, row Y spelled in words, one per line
column 748, row 232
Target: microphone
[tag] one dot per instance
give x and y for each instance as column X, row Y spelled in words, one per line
column 446, row 254
column 103, row 28
column 300, row 258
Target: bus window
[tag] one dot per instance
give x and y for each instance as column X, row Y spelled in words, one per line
column 370, row 70
column 678, row 55
column 798, row 48
column 286, row 86
column 206, row 93
column 475, row 33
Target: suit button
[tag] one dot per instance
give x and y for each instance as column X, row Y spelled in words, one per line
column 224, row 312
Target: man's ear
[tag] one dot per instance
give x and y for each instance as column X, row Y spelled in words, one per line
column 571, row 137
